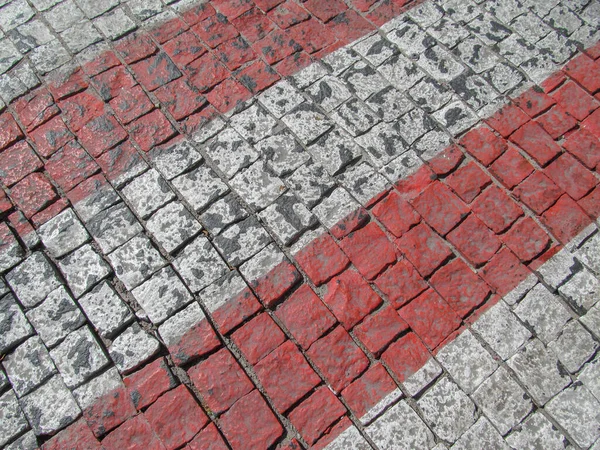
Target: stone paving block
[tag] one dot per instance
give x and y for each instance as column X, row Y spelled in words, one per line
column 589, row 254
column 147, row 193
column 338, row 205
column 467, row 361
column 105, row 309
column 11, row 251
column 115, row 24
column 309, row 75
column 538, row 370
column 474, row 91
column 135, row 261
column 92, row 196
column 87, row 394
column 430, row 95
column 172, row 226
column 162, row 295
column 241, row 241
column 502, row 400
column 113, row 227
column 200, row 187
column 199, row 264
column 28, row 441
column 482, row 433
column 543, row 312
column 448, row 32
column 349, row 439
column 329, row 92
column 376, row 49
column 132, row 348
column 63, row 233
column 257, row 186
column 33, row 279
column 401, row 72
column 83, row 269
column 222, row 213
column 456, row 117
column 281, row 98
column 50, row 407
column 400, row 427
column 282, row 153
column 14, row 14
column 49, row 56
column 63, row 15
column 30, row 35
column 78, row 357
column 440, row 64
column 423, row 377
column 501, row 329
column 410, row 38
column 592, row 320
column 56, row 317
column 173, row 159
column 589, row 376
column 450, row 421
column 536, row 432
column 383, row 143
column 335, row 150
column 93, row 9
column 414, row 124
column 578, row 412
column 13, row 420
column 339, row 60
column 307, row 122
column 28, row 366
column 230, row 152
column 389, row 103
column 557, row 269
column 174, row 328
column 476, row 55
column 288, row 218
column 573, row 346
column 363, row 182
column 80, row 35
column 253, row 124
column 355, row 117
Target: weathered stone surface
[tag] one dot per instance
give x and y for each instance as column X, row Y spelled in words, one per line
column 200, row 187
column 33, row 280
column 536, row 431
column 87, row 394
column 172, row 226
column 135, row 261
column 83, row 269
column 28, row 366
column 199, row 264
column 13, row 420
column 63, row 233
column 241, row 241
column 56, row 317
column 105, row 309
column 13, row 323
column 113, row 227
column 132, row 348
column 147, row 193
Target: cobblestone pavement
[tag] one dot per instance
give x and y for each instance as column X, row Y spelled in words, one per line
column 295, row 224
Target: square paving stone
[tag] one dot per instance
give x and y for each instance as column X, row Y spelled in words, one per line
column 148, row 192
column 335, row 208
column 440, row 64
column 83, row 269
column 430, row 95
column 363, row 182
column 335, row 151
column 538, row 370
column 162, row 295
column 288, row 218
column 400, row 427
column 502, row 400
column 28, row 441
column 56, row 317
column 410, row 38
column 174, row 159
column 309, row 75
column 230, row 152
column 257, row 186
column 173, row 329
column 341, row 59
column 223, row 213
column 281, row 98
column 582, row 291
column 200, row 187
column 536, row 432
column 28, row 366
column 253, row 124
column 107, row 312
column 241, row 241
column 476, row 54
column 364, row 80
column 78, row 357
column 307, row 122
column 355, row 117
column 113, row 227
column 135, row 261
column 543, row 312
column 99, row 195
column 51, row 407
column 132, row 348
column 13, row 420
column 63, row 233
column 501, row 330
column 199, row 264
column 383, row 143
column 389, row 103
column 401, row 72
column 329, row 92
column 578, row 411
column 33, row 279
column 589, row 253
column 448, row 32
column 172, row 226
column 592, row 320
column 221, row 291
column 474, row 91
column 375, row 49
column 467, row 361
column 423, row 377
column 456, row 117
column 590, row 376
column 97, row 387
column 311, row 183
column 449, row 408
column 481, row 435
column 573, row 346
column 282, row 152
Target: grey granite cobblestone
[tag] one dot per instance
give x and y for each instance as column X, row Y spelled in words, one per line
column 132, row 348
column 28, row 366
column 105, row 309
column 199, row 264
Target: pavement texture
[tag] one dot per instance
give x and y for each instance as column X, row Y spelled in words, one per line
column 360, row 224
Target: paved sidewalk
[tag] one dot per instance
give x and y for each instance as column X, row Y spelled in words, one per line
column 299, row 224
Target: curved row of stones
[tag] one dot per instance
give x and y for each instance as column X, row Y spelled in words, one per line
column 306, row 153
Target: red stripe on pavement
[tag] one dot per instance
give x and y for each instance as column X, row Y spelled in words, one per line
column 506, row 199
